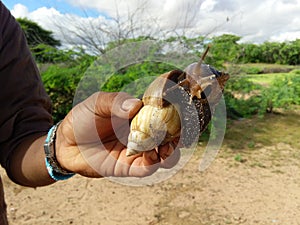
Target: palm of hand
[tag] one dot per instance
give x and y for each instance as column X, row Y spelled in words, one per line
column 94, row 136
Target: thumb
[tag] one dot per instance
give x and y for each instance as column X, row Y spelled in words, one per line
column 118, row 104
column 130, row 107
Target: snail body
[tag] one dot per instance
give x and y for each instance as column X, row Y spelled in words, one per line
column 177, row 103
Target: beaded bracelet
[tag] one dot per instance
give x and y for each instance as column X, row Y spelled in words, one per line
column 55, row 171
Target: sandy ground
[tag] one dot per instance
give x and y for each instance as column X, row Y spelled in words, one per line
column 260, row 189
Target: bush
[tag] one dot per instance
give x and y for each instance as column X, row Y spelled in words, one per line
column 254, row 99
column 135, row 78
column 60, row 82
column 283, row 93
column 240, row 99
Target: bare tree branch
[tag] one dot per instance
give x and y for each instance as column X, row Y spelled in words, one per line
column 94, row 34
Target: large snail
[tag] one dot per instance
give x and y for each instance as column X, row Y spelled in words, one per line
column 177, row 103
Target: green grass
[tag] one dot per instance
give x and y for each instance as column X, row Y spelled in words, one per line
column 259, row 68
column 268, row 79
column 248, row 134
column 263, row 74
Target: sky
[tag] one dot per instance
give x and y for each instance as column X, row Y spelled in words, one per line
column 256, row 21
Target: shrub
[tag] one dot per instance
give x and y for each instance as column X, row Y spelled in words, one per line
column 240, row 99
column 60, row 82
column 283, row 93
column 135, row 78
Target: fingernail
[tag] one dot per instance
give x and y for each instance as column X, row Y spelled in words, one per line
column 128, row 104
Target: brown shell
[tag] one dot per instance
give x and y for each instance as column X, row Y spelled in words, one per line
column 154, row 95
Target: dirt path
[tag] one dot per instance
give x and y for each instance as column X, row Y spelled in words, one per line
column 260, row 189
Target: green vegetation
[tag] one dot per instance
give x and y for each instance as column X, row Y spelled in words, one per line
column 41, row 42
column 248, row 94
column 36, row 35
column 61, row 80
column 264, row 77
column 124, row 77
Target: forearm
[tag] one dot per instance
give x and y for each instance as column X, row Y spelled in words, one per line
column 27, row 163
column 25, row 107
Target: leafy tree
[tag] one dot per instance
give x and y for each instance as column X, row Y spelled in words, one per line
column 41, row 42
column 48, row 54
column 250, row 53
column 290, row 53
column 271, row 52
column 36, row 35
column 225, row 48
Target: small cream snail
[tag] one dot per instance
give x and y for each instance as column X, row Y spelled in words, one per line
column 177, row 103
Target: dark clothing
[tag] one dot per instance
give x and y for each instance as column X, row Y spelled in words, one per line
column 24, row 105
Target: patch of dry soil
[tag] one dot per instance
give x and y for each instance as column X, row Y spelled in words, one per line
column 262, row 190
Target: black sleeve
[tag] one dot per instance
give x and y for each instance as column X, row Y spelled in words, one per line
column 25, row 108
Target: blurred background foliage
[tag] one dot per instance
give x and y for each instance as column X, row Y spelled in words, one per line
column 264, row 76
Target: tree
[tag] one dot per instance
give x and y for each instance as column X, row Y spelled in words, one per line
column 271, row 52
column 225, row 48
column 290, row 53
column 250, row 53
column 36, row 35
column 95, row 34
column 129, row 21
column 41, row 42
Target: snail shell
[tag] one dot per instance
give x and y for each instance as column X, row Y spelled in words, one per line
column 177, row 103
column 158, row 121
column 153, row 126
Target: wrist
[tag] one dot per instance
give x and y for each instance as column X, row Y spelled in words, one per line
column 59, row 145
column 54, row 168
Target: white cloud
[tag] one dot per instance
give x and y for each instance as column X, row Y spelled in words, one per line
column 208, row 5
column 20, row 11
column 255, row 20
column 46, row 17
column 288, row 36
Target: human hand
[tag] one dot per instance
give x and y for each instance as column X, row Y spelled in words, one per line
column 92, row 139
